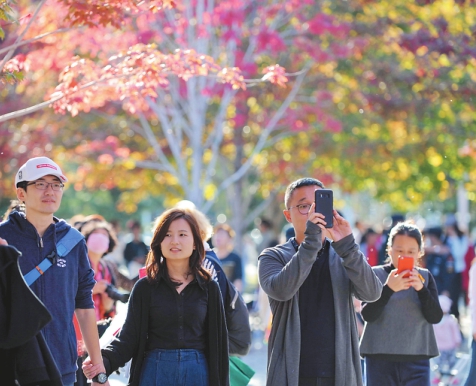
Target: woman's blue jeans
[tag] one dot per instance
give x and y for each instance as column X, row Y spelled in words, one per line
column 381, row 372
column 174, row 368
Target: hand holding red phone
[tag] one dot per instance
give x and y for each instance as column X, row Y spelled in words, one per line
column 398, row 282
column 416, row 280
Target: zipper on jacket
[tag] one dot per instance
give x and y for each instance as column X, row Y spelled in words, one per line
column 40, row 244
column 234, row 300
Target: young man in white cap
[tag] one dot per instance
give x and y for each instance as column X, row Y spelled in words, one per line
column 55, row 266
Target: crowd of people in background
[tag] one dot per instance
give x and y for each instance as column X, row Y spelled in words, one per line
column 447, row 253
column 429, row 300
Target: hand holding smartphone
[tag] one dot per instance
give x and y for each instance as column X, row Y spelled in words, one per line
column 324, row 199
column 405, row 263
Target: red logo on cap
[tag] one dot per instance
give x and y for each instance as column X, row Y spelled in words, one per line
column 46, row 166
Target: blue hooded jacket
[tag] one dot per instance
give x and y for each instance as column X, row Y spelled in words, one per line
column 65, row 286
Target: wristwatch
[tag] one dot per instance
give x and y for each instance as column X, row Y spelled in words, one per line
column 100, row 378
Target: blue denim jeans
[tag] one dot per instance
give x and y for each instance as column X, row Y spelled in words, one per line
column 381, row 372
column 471, row 380
column 174, row 368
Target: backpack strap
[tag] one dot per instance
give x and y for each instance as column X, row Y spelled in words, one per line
column 39, row 270
column 68, row 242
column 63, row 247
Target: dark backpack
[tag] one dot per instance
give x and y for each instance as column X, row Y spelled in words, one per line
column 237, row 322
column 236, row 312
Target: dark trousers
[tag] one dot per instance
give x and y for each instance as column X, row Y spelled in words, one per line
column 81, row 379
column 381, row 372
column 316, row 381
column 471, row 380
column 456, row 288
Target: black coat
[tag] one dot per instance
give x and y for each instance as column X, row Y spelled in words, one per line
column 24, row 354
column 132, row 339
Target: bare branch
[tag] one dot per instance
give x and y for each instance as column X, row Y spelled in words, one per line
column 28, row 110
column 151, row 138
column 36, row 38
column 250, row 218
column 174, row 145
column 262, row 139
column 150, row 165
column 218, row 135
column 13, row 47
column 177, row 111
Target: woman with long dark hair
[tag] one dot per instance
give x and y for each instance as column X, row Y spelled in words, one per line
column 175, row 330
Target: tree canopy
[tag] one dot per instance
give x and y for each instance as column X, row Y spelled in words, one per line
column 225, row 102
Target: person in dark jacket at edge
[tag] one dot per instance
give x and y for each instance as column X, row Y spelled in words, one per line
column 20, row 335
column 66, row 286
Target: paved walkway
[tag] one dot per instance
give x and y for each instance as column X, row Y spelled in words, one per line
column 256, row 359
column 257, row 356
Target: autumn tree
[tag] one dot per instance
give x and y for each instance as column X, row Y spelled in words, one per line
column 191, row 81
column 241, row 97
column 413, row 104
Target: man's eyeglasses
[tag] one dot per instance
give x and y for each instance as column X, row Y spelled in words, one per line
column 302, row 208
column 43, row 185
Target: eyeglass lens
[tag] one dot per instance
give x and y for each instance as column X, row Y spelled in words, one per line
column 41, row 185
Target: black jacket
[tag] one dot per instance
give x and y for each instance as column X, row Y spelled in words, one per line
column 132, row 339
column 24, row 354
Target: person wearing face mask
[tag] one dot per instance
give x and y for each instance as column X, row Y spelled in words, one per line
column 100, row 240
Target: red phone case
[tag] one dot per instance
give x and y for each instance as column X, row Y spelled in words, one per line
column 405, row 263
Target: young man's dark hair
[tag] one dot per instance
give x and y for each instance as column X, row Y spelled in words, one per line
column 300, row 184
column 23, row 185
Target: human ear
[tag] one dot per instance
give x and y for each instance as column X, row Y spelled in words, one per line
column 21, row 194
column 287, row 215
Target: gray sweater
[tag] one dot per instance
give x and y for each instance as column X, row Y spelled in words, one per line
column 401, row 329
column 282, row 271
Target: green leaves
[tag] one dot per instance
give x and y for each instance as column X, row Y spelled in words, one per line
column 11, row 77
column 5, row 14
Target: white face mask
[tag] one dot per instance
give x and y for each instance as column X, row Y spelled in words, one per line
column 98, row 243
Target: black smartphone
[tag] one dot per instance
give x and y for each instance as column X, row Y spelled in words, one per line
column 324, row 199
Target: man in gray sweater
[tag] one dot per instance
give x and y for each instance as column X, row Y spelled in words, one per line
column 310, row 281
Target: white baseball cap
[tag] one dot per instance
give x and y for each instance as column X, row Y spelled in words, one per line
column 38, row 167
